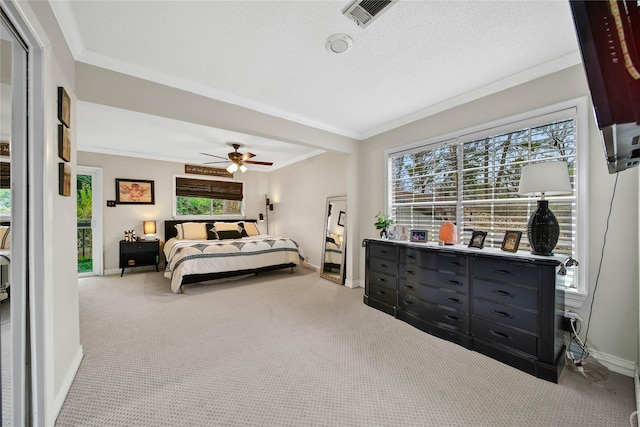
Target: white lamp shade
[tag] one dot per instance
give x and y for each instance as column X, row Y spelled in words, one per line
column 243, row 168
column 549, row 178
column 232, row 168
column 149, row 227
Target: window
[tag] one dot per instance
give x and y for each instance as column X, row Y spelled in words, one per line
column 472, row 179
column 207, row 197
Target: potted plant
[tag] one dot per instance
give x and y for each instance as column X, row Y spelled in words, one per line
column 383, row 222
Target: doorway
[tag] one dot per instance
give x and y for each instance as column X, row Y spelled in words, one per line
column 89, row 208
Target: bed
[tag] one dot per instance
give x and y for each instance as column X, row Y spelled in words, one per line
column 200, row 250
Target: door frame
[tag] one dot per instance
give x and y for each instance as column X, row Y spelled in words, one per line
column 96, row 218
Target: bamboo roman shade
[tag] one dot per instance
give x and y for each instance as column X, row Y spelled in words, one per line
column 208, row 189
column 5, row 175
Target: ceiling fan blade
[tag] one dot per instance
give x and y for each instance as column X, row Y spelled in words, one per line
column 253, row 162
column 213, row 155
column 246, row 156
column 210, row 163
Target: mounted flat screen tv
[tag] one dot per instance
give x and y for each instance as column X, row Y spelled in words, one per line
column 609, row 36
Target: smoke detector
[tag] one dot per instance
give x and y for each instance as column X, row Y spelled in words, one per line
column 364, row 12
column 339, row 43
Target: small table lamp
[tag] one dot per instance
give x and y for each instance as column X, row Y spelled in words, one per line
column 149, row 229
column 550, row 178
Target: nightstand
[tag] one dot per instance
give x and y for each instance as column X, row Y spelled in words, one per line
column 137, row 254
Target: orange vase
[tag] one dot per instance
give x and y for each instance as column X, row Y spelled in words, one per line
column 448, row 233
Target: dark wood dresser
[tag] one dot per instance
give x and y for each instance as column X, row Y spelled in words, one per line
column 497, row 303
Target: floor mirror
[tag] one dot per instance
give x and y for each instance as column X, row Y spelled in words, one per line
column 332, row 266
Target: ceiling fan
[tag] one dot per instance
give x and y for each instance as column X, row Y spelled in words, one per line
column 237, row 159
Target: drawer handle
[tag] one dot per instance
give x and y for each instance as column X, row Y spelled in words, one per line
column 456, row 300
column 381, row 293
column 382, row 251
column 409, row 287
column 382, row 279
column 408, row 302
column 453, row 282
column 499, row 271
column 499, row 334
column 502, row 293
column 383, row 265
column 456, row 263
column 450, row 317
column 502, row 314
column 411, row 272
column 410, row 257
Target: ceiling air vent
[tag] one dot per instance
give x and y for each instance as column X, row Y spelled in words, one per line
column 364, row 12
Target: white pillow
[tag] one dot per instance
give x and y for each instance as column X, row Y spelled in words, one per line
column 192, row 231
column 226, row 226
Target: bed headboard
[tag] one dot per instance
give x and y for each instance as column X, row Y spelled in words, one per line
column 170, row 224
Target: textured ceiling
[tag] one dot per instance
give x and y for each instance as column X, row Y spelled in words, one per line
column 417, row 58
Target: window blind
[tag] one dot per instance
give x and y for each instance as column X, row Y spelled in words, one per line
column 208, row 189
column 473, row 181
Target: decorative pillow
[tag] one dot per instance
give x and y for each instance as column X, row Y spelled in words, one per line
column 5, row 237
column 192, row 231
column 229, row 234
column 226, row 226
column 212, row 234
column 252, row 228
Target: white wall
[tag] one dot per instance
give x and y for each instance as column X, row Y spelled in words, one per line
column 614, row 325
column 127, row 217
column 299, row 193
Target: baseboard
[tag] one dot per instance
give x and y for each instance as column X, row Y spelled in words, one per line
column 615, row 364
column 311, row 266
column 65, row 387
column 636, row 381
column 358, row 283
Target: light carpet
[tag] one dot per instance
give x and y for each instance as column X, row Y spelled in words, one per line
column 282, row 349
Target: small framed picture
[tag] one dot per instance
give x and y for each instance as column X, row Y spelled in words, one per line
column 342, row 219
column 511, row 240
column 418, row 236
column 64, row 179
column 64, row 143
column 134, row 191
column 64, row 107
column 477, row 239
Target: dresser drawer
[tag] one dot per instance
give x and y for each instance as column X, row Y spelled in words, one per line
column 137, row 247
column 452, row 262
column 383, row 294
column 383, row 265
column 418, row 257
column 506, row 315
column 416, row 306
column 503, row 293
column 507, row 271
column 377, row 250
column 452, row 299
column 382, row 280
column 495, row 333
column 455, row 318
column 417, row 290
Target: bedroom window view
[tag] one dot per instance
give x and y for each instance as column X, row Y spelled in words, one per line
column 84, row 206
column 207, row 197
column 473, row 182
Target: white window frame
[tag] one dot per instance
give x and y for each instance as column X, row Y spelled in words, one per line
column 574, row 296
column 174, row 201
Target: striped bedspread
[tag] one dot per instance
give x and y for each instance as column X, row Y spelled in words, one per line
column 186, row 257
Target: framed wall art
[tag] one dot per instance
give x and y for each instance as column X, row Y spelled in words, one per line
column 477, row 239
column 511, row 240
column 64, row 143
column 64, row 107
column 64, row 179
column 342, row 218
column 134, row 191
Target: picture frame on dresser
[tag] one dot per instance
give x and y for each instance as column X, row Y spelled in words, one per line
column 477, row 239
column 511, row 240
column 418, row 236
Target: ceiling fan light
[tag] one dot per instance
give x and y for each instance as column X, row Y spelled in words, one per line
column 232, row 168
column 243, row 168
